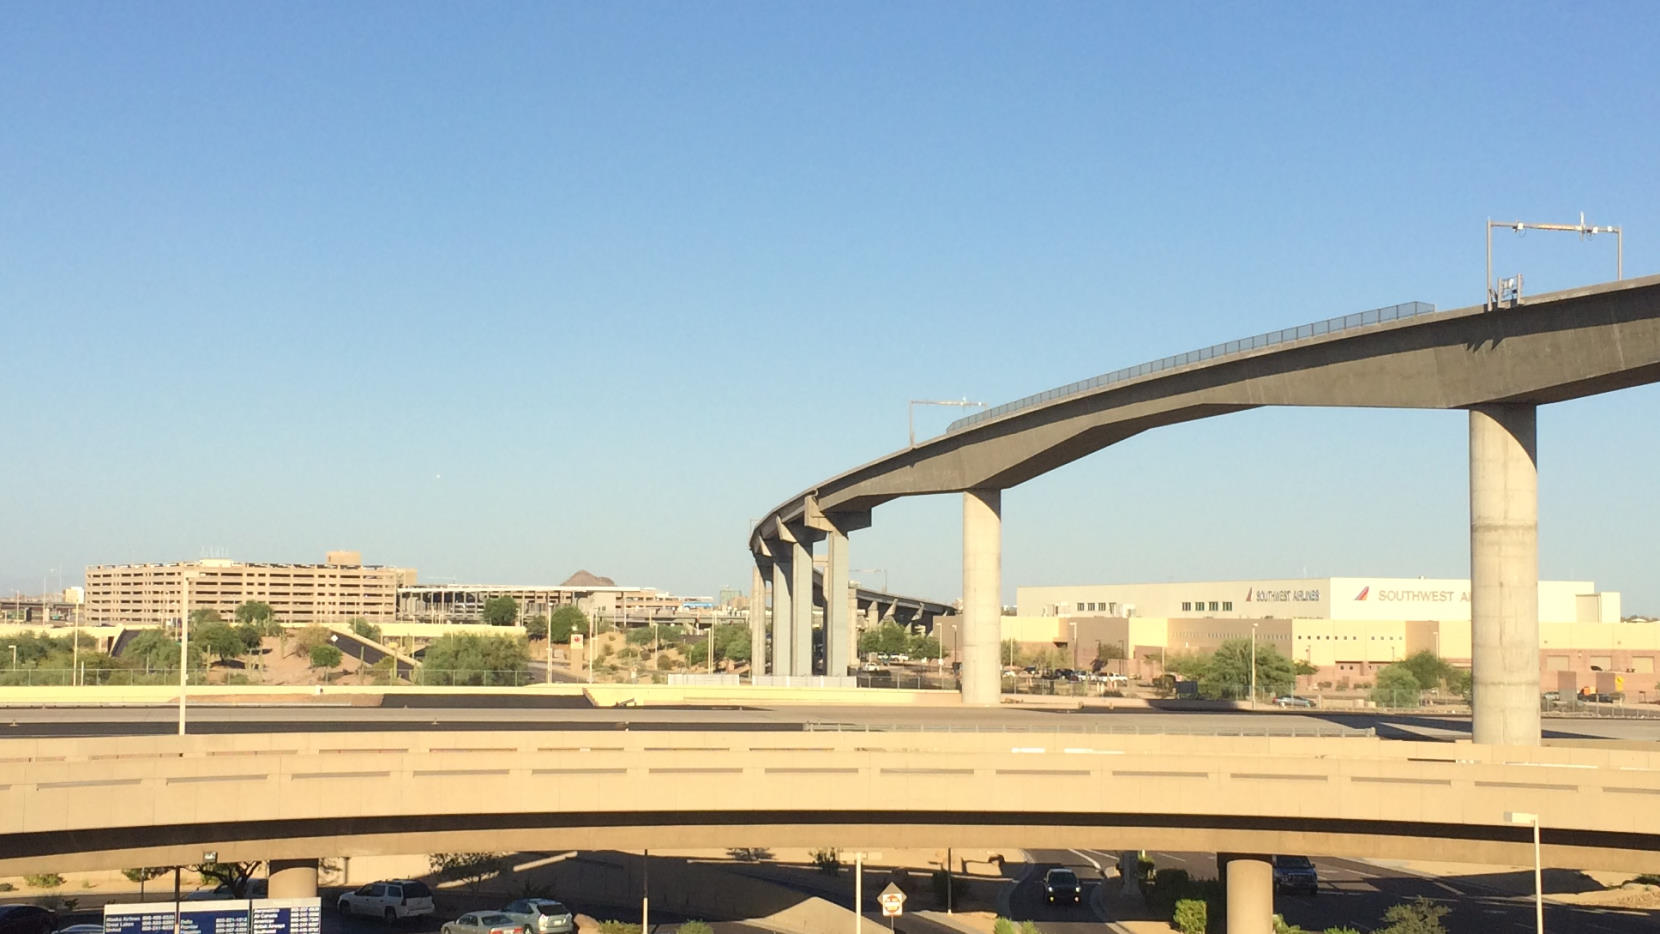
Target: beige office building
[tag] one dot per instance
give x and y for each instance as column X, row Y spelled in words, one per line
column 341, row 588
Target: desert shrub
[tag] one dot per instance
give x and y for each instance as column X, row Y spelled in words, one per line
column 696, row 927
column 828, row 861
column 325, row 656
column 1002, row 926
column 44, row 880
column 618, row 927
column 1190, row 917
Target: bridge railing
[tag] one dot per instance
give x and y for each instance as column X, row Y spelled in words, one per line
column 1214, row 351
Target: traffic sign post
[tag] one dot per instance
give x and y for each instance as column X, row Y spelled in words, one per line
column 892, row 900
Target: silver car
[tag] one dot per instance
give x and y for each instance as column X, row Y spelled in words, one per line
column 483, row 922
column 542, row 916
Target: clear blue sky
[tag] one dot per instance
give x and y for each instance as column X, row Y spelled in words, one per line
column 499, row 291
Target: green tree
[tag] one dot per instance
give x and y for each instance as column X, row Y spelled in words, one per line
column 325, row 656
column 1396, row 687
column 1228, row 672
column 203, row 616
column 250, row 635
column 1108, row 651
column 922, row 646
column 256, row 613
column 218, row 639
column 566, row 620
column 501, row 611
column 890, row 638
column 364, row 629
column 1303, row 669
column 1419, row 916
column 470, row 658
column 1190, row 666
column 155, row 650
column 536, row 627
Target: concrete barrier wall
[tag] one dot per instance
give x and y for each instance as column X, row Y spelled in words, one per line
column 151, row 800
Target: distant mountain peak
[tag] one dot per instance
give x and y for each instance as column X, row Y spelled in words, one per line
column 585, row 579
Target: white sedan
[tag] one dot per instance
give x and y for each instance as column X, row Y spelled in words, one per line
column 483, row 922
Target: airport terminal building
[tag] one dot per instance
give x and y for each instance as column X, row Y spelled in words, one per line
column 1332, row 598
column 1345, row 627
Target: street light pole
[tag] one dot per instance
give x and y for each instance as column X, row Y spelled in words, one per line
column 1253, row 666
column 910, row 411
column 1523, row 817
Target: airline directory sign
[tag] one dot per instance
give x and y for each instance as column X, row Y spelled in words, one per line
column 230, row 916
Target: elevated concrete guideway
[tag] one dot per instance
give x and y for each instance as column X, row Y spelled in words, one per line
column 112, row 802
column 1498, row 364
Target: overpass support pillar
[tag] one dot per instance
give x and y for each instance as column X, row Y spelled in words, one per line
column 838, row 621
column 1250, row 882
column 1504, row 574
column 782, row 613
column 758, row 619
column 293, row 878
column 801, row 603
column 982, row 595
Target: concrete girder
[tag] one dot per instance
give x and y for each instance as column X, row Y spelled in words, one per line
column 1550, row 348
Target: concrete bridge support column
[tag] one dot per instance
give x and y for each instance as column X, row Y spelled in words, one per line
column 782, row 613
column 1250, row 883
column 758, row 619
column 801, row 605
column 838, row 620
column 982, row 595
column 1504, row 574
column 292, row 878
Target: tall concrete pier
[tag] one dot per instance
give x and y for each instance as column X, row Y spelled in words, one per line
column 838, row 656
column 783, row 635
column 982, row 595
column 801, row 603
column 1504, row 574
column 758, row 618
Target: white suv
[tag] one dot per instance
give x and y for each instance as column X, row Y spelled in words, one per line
column 392, row 899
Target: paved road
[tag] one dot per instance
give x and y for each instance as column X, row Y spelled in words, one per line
column 532, row 711
column 1028, row 902
column 1356, row 893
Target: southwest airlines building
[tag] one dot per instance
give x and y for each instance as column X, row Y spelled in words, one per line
column 1346, row 627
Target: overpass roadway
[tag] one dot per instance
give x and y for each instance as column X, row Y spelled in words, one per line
column 518, row 712
column 1498, row 364
column 111, row 802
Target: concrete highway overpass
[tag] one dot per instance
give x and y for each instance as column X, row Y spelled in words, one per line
column 115, row 802
column 1499, row 364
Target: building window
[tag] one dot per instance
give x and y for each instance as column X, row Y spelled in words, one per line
column 1186, row 606
column 1080, row 609
column 1214, row 606
column 1227, row 606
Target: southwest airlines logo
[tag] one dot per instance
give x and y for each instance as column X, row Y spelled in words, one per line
column 1247, row 595
column 1363, row 592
